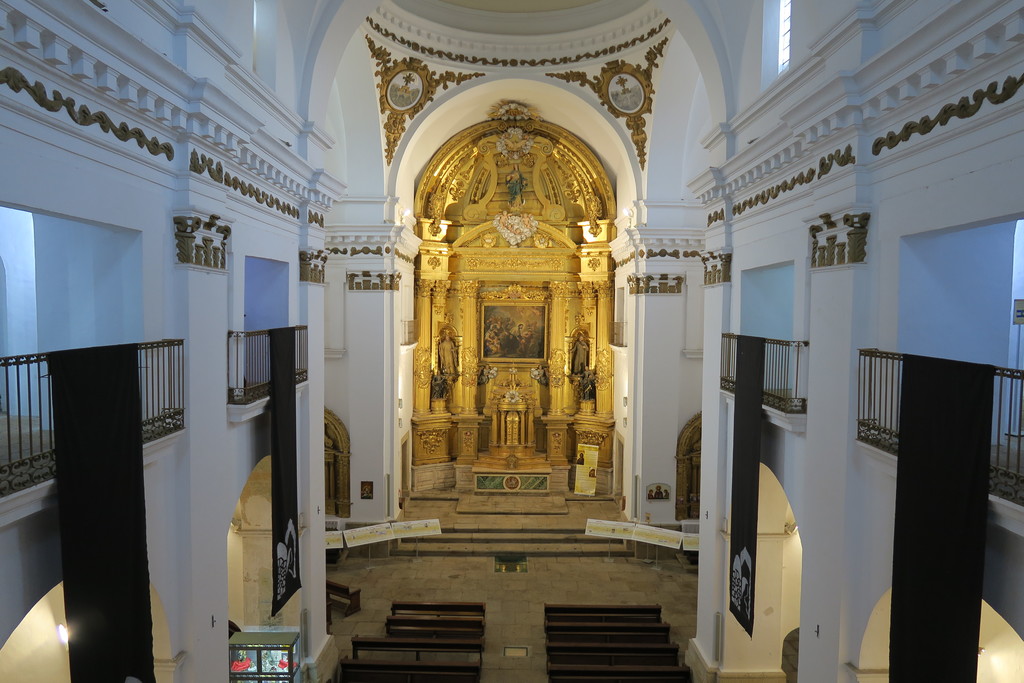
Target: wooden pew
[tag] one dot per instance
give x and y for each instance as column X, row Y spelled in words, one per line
column 378, row 671
column 621, row 674
column 611, row 654
column 428, row 626
column 450, row 609
column 620, row 613
column 607, row 632
column 343, row 596
column 472, row 646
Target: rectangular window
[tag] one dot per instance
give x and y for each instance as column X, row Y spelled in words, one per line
column 784, row 33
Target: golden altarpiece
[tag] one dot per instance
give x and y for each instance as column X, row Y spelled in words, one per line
column 514, row 305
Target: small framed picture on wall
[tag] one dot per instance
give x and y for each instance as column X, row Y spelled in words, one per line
column 366, row 490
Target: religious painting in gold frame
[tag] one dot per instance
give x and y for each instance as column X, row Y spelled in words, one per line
column 513, row 331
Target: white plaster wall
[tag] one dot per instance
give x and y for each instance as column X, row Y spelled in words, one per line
column 17, row 256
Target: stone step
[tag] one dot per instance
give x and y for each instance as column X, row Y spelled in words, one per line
column 409, row 549
column 503, row 536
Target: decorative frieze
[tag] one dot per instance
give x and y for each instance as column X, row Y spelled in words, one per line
column 825, row 164
column 516, row 292
column 82, row 115
column 311, row 266
column 314, row 218
column 201, row 242
column 629, row 257
column 717, row 267
column 835, row 245
column 200, row 163
column 590, row 437
column 716, row 216
column 433, row 442
column 517, row 62
column 655, row 253
column 374, row 282
column 655, row 284
column 964, row 108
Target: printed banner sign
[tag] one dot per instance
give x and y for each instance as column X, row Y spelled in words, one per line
column 657, row 536
column 586, row 469
column 369, row 534
column 418, row 527
column 605, row 529
column 746, row 465
column 284, row 489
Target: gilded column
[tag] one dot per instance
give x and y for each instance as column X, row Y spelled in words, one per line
column 421, row 359
column 467, row 291
column 603, row 328
column 561, row 388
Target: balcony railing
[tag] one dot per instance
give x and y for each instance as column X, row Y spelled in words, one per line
column 784, row 382
column 619, row 329
column 249, row 364
column 26, row 418
column 880, row 375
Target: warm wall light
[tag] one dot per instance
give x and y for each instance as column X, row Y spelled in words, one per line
column 407, row 213
column 62, row 633
column 981, row 651
column 790, row 528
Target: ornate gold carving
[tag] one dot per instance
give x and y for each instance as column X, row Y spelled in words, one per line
column 433, row 441
column 470, row 367
column 593, row 263
column 716, row 216
column 406, row 86
column 591, row 437
column 651, row 253
column 556, row 443
column 468, row 441
column 374, row 282
column 475, row 263
column 836, row 253
column 467, row 289
column 515, row 292
column 604, row 369
column 405, row 257
column 314, row 218
column 630, row 257
column 375, row 251
column 433, row 261
column 82, row 115
column 964, row 108
column 655, row 284
column 556, row 368
column 311, row 266
column 337, row 452
column 200, row 163
column 515, row 62
column 717, row 267
column 688, row 470
column 839, row 158
column 564, row 290
column 421, row 365
column 626, row 91
column 210, row 251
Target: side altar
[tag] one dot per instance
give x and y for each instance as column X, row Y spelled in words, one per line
column 514, row 309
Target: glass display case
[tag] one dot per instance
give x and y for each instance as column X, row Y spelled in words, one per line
column 263, row 656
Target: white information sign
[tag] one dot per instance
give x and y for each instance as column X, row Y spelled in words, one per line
column 606, row 529
column 691, row 543
column 656, row 536
column 1018, row 311
column 334, row 539
column 369, row 534
column 418, row 527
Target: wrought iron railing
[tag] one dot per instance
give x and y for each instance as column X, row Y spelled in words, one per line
column 619, row 329
column 878, row 418
column 784, row 372
column 249, row 364
column 26, row 418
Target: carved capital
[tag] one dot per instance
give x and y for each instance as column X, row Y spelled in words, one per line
column 838, row 245
column 311, row 266
column 201, row 242
column 366, row 281
column 655, row 284
column 717, row 267
column 467, row 289
column 590, row 436
column 564, row 290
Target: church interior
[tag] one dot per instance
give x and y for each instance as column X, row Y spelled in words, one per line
column 534, row 258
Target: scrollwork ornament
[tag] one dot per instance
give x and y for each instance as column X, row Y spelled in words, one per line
column 421, row 363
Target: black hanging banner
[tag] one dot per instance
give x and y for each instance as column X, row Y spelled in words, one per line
column 941, row 507
column 97, row 431
column 746, row 463
column 283, row 474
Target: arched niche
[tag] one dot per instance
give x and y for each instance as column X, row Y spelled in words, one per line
column 688, row 469
column 1002, row 660
column 337, row 452
column 34, row 651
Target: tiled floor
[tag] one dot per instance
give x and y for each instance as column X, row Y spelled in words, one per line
column 515, row 602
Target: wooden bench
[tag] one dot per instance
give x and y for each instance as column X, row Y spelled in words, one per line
column 597, row 672
column 607, row 632
column 378, row 671
column 610, row 654
column 473, row 646
column 450, row 609
column 428, row 626
column 343, row 596
column 620, row 613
